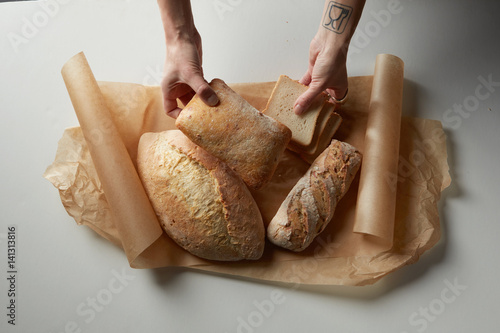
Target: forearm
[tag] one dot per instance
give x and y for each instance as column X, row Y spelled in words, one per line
column 328, row 52
column 339, row 21
column 177, row 19
column 183, row 74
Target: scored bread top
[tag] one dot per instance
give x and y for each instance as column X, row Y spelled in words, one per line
column 280, row 107
column 200, row 202
column 310, row 205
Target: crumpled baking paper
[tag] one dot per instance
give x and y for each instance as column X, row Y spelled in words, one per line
column 338, row 256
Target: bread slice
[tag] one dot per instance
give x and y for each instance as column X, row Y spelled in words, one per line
column 200, row 202
column 328, row 129
column 327, row 126
column 280, row 107
column 250, row 142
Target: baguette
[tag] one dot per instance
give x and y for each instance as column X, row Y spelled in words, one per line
column 250, row 142
column 200, row 202
column 310, row 205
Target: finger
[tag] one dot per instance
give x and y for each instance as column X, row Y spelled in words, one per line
column 305, row 100
column 338, row 94
column 203, row 89
column 170, row 105
column 306, row 79
column 186, row 98
column 174, row 113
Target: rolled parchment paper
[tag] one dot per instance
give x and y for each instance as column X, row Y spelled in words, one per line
column 376, row 203
column 124, row 192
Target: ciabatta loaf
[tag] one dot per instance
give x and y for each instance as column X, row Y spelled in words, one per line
column 250, row 142
column 311, row 203
column 200, row 202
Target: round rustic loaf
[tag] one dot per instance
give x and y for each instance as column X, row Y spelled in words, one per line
column 200, row 202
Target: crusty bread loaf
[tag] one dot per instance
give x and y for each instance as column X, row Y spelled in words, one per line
column 200, row 202
column 311, row 203
column 280, row 107
column 250, row 142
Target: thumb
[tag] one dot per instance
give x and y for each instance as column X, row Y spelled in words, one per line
column 306, row 78
column 305, row 100
column 203, row 90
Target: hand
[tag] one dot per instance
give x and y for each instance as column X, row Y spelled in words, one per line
column 327, row 71
column 183, row 75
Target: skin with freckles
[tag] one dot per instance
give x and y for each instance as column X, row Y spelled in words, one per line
column 183, row 73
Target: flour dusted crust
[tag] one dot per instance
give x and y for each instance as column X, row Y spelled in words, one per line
column 310, row 205
column 250, row 142
column 200, row 202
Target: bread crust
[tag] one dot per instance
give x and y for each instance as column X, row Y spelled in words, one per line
column 250, row 142
column 200, row 202
column 310, row 205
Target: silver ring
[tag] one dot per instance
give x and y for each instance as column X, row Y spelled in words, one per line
column 342, row 100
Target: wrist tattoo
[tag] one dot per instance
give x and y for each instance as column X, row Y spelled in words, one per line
column 336, row 17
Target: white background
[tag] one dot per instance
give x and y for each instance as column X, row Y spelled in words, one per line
column 447, row 47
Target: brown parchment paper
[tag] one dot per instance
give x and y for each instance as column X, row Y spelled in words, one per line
column 337, row 257
column 376, row 204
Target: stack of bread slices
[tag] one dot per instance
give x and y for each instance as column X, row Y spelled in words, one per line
column 313, row 130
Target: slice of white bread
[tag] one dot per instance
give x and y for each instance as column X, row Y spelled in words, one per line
column 280, row 107
column 329, row 126
column 332, row 124
column 322, row 122
column 324, row 140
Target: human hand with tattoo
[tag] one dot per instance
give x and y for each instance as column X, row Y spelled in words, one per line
column 183, row 73
column 328, row 53
column 327, row 71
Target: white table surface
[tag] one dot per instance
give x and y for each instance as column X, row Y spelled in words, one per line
column 70, row 280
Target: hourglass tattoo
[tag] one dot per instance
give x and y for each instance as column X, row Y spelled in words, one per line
column 336, row 17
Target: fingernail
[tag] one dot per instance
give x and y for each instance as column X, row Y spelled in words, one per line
column 298, row 109
column 213, row 100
